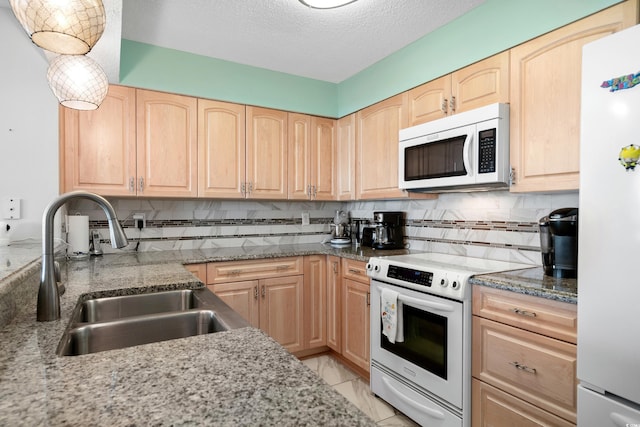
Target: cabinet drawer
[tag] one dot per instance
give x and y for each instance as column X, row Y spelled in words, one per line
column 354, row 270
column 492, row 407
column 535, row 368
column 552, row 318
column 233, row 271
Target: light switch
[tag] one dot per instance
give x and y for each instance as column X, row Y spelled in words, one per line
column 11, row 208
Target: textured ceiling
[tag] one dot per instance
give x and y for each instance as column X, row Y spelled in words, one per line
column 287, row 36
column 280, row 35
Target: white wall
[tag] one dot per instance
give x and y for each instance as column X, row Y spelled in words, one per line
column 28, row 128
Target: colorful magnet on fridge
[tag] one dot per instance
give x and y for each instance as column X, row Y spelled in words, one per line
column 622, row 82
column 629, row 156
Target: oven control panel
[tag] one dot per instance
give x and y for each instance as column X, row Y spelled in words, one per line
column 437, row 281
column 423, row 278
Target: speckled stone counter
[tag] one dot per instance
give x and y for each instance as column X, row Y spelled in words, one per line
column 238, row 377
column 531, row 281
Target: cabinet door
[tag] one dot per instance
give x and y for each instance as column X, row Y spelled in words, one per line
column 430, row 101
column 377, row 148
column 281, row 310
column 545, row 100
column 98, row 148
column 483, row 83
column 493, row 407
column 266, row 153
column 334, row 298
column 355, row 323
column 554, row 319
column 345, row 163
column 322, row 159
column 221, row 149
column 535, row 368
column 198, row 270
column 232, row 271
column 243, row 297
column 167, row 144
column 315, row 300
column 299, row 156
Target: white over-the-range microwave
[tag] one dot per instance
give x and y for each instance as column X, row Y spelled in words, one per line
column 468, row 151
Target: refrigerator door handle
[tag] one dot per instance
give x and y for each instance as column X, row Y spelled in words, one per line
column 623, row 421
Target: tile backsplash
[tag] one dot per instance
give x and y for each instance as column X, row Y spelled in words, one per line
column 497, row 224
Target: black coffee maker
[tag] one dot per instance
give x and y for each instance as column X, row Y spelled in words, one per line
column 388, row 230
column 559, row 243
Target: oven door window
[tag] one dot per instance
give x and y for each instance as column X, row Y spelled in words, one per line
column 425, row 340
column 439, row 159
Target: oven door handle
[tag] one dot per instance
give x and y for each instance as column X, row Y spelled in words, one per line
column 424, row 409
column 429, row 305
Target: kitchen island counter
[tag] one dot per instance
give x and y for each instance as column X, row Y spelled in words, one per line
column 237, row 377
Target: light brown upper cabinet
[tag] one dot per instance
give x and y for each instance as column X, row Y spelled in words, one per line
column 138, row 142
column 545, row 100
column 345, row 162
column 482, row 83
column 377, row 129
column 221, row 149
column 266, row 176
column 167, row 144
column 312, row 152
column 98, row 148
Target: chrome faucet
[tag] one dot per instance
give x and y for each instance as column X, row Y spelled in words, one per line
column 48, row 295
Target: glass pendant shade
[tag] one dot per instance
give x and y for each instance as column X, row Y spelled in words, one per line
column 326, row 4
column 70, row 27
column 77, row 81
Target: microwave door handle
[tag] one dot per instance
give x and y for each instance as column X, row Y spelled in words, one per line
column 429, row 305
column 467, row 152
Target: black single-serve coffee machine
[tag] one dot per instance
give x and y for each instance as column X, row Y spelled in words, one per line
column 388, row 230
column 559, row 243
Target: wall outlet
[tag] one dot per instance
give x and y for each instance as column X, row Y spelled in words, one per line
column 139, row 221
column 10, row 208
column 305, row 218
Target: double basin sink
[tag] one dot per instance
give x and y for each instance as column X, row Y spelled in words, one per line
column 109, row 323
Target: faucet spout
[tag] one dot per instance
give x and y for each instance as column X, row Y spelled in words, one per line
column 48, row 295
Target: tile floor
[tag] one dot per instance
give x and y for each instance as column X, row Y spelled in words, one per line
column 356, row 390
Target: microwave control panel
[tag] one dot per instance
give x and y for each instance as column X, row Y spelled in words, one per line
column 487, row 151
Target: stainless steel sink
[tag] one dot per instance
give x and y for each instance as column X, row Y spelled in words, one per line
column 110, row 323
column 103, row 309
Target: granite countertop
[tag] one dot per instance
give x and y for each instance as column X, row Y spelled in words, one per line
column 237, row 377
column 531, row 281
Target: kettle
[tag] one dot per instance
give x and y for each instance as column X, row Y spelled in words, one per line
column 559, row 243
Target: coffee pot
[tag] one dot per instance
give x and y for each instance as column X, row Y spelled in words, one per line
column 559, row 243
column 388, row 230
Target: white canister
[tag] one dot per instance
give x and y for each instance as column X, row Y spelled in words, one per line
column 5, row 239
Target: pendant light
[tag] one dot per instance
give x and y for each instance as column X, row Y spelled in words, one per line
column 326, row 4
column 77, row 81
column 70, row 27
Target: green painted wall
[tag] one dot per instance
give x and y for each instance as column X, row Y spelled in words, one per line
column 151, row 67
column 492, row 27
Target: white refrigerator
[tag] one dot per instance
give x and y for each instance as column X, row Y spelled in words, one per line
column 609, row 233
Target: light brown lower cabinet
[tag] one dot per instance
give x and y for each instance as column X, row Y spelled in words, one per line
column 315, row 301
column 285, row 297
column 492, row 407
column 355, row 313
column 334, row 304
column 523, row 360
column 274, row 305
column 198, row 270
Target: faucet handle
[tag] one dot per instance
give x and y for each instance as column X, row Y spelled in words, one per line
column 56, row 271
